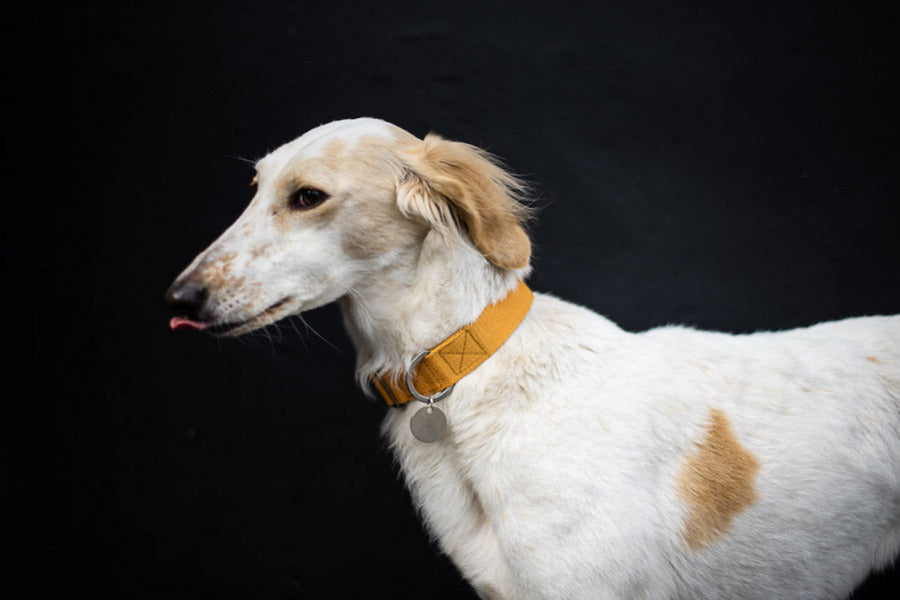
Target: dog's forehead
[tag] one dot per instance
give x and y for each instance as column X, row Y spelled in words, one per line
column 313, row 142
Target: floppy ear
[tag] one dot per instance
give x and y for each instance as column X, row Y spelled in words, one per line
column 450, row 182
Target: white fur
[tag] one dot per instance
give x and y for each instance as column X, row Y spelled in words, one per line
column 558, row 475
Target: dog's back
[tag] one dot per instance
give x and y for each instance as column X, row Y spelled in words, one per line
column 682, row 463
column 802, row 428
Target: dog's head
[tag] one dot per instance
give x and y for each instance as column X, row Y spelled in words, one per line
column 339, row 205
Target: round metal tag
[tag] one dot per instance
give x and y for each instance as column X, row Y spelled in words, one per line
column 428, row 424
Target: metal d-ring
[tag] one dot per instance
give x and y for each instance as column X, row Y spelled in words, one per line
column 412, row 387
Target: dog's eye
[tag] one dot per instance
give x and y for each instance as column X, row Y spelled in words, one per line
column 307, row 198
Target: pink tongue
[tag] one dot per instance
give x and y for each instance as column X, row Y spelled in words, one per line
column 179, row 323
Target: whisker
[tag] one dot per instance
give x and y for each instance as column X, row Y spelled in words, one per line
column 268, row 333
column 300, row 335
column 317, row 334
column 249, row 161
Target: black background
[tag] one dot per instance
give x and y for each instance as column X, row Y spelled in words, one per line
column 726, row 166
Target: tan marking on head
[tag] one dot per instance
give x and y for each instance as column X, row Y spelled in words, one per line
column 226, row 262
column 285, row 217
column 300, row 173
column 255, row 181
column 449, row 181
column 376, row 232
column 217, row 273
column 258, row 251
column 216, row 279
column 361, row 181
column 716, row 483
column 316, row 172
column 873, row 359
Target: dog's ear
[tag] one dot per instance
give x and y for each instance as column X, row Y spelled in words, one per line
column 447, row 183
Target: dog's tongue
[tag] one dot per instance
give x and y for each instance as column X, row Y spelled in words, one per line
column 179, row 323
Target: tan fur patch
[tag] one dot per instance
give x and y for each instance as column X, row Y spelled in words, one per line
column 284, row 218
column 716, row 483
column 371, row 221
column 873, row 359
column 361, row 181
column 477, row 191
column 258, row 251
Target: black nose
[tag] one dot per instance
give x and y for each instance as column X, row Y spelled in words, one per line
column 186, row 298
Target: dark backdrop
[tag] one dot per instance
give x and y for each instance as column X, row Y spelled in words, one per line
column 725, row 166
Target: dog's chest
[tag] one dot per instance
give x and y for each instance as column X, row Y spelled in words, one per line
column 500, row 485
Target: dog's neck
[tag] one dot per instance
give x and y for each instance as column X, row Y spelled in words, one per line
column 421, row 299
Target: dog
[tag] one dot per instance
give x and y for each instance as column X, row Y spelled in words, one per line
column 575, row 459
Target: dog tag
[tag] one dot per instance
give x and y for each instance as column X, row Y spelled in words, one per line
column 428, row 424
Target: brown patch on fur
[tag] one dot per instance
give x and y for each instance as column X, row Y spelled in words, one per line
column 361, row 182
column 470, row 183
column 285, row 218
column 373, row 233
column 716, row 483
column 217, row 274
column 873, row 359
column 226, row 262
column 258, row 251
column 217, row 280
column 307, row 172
column 376, row 224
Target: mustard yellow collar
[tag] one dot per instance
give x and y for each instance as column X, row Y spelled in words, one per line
column 434, row 372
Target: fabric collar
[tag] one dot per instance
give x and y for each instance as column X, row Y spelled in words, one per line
column 461, row 353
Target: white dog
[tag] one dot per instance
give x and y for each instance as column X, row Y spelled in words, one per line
column 576, row 460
